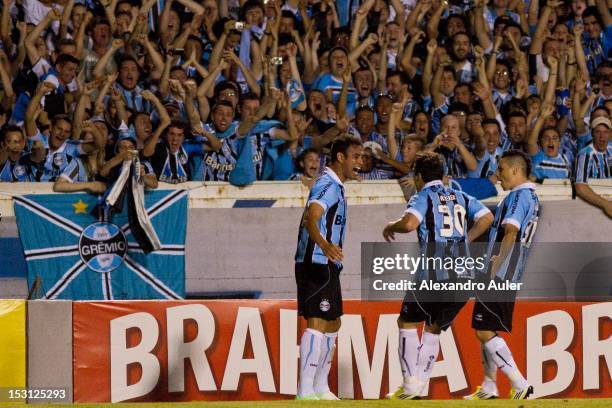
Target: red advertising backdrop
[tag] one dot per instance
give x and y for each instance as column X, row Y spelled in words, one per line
column 248, row 350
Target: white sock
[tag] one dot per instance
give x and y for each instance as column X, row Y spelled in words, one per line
column 489, row 384
column 408, row 353
column 502, row 356
column 328, row 346
column 428, row 354
column 310, row 354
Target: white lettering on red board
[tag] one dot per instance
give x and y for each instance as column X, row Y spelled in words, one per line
column 369, row 361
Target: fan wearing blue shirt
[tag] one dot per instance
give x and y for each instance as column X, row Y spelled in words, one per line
column 13, row 166
column 59, row 150
column 487, row 161
column 171, row 157
column 332, row 81
column 595, row 162
column 543, row 147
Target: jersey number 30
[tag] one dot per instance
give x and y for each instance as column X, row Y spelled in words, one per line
column 452, row 221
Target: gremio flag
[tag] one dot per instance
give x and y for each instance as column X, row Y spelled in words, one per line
column 76, row 256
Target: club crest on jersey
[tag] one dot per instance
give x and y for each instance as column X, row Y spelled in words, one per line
column 324, row 305
column 103, row 246
column 58, row 160
column 19, row 170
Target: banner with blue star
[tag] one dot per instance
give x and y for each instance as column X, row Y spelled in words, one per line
column 76, row 256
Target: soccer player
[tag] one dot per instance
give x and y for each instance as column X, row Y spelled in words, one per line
column 513, row 229
column 318, row 262
column 438, row 214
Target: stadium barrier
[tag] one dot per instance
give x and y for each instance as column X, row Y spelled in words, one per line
column 248, row 350
column 229, row 230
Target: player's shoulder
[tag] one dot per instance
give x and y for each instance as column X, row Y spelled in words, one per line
column 325, row 182
column 526, row 192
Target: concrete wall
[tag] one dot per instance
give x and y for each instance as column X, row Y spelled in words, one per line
column 252, row 249
column 50, row 346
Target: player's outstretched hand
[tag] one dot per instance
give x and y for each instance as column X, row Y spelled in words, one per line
column 332, row 252
column 388, row 233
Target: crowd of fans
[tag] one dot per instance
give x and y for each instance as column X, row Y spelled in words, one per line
column 214, row 89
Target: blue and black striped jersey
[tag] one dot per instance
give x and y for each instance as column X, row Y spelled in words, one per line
column 328, row 192
column 520, row 208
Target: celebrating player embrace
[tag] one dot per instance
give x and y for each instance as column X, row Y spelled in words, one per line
column 438, row 214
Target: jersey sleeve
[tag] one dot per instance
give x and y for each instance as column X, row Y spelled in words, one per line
column 417, row 206
column 518, row 209
column 324, row 193
column 475, row 208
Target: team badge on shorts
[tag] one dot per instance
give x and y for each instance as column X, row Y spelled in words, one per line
column 324, row 305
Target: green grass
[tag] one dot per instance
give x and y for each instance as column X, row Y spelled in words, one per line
column 545, row 403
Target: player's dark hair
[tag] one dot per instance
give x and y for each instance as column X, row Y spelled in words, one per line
column 429, row 165
column 518, row 157
column 341, row 145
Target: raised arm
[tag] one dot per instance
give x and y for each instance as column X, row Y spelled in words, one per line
column 246, row 125
column 100, row 67
column 405, row 61
column 604, row 11
column 31, row 50
column 295, row 72
column 551, row 84
column 532, row 139
column 481, row 29
column 34, row 105
column 360, row 18
column 164, row 122
column 538, row 37
column 579, row 51
column 346, row 81
column 229, row 55
column 434, row 21
column 432, row 46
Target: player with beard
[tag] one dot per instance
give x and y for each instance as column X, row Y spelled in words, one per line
column 318, row 262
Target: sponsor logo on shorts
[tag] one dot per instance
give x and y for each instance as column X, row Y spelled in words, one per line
column 324, row 305
column 478, row 317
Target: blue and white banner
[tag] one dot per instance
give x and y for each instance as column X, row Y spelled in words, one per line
column 78, row 257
